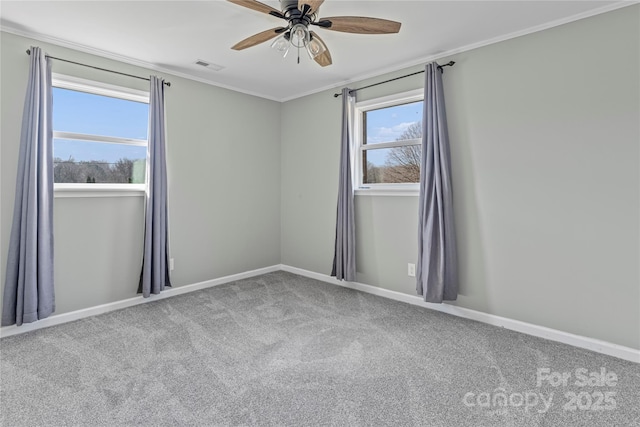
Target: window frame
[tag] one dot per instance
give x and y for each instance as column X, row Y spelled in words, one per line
column 63, row 81
column 382, row 189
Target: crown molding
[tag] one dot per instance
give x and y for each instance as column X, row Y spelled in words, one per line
column 421, row 61
column 372, row 74
column 124, row 59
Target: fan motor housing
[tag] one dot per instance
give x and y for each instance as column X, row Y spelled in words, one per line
column 287, row 5
column 294, row 15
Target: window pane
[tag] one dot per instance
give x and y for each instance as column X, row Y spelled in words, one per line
column 99, row 162
column 91, row 114
column 396, row 123
column 391, row 165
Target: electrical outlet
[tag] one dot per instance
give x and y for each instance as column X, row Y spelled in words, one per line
column 411, row 270
column 171, row 265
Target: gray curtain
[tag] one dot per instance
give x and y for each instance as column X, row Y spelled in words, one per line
column 436, row 273
column 344, row 259
column 28, row 287
column 155, row 262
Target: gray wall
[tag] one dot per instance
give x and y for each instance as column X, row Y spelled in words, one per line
column 545, row 143
column 545, row 146
column 224, row 184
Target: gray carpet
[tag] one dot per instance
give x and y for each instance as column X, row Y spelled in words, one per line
column 281, row 349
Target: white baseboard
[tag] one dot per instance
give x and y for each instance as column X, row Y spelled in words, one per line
column 105, row 308
column 592, row 344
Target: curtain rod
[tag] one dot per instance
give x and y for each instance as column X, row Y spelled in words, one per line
column 448, row 64
column 97, row 68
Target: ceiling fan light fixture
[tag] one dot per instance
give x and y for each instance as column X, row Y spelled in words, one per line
column 281, row 44
column 299, row 36
column 300, row 15
column 315, row 48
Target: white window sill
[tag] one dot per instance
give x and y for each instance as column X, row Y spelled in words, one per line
column 411, row 192
column 99, row 190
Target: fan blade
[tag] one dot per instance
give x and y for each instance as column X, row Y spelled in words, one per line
column 313, row 5
column 324, row 58
column 257, row 6
column 360, row 25
column 258, row 38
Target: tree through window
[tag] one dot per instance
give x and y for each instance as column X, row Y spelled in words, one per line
column 390, row 141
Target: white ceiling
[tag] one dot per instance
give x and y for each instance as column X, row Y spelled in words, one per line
column 171, row 35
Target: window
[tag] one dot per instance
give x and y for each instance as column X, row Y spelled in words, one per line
column 389, row 143
column 99, row 136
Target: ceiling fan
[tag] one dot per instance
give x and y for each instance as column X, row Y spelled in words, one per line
column 300, row 14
